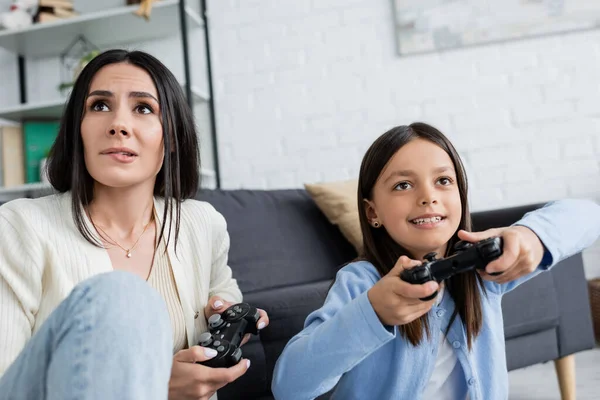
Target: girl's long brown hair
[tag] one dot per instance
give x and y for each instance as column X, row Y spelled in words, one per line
column 382, row 251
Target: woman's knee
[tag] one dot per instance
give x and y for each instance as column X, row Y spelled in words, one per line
column 124, row 298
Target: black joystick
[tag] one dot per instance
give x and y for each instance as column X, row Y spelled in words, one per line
column 461, row 246
column 225, row 334
column 468, row 256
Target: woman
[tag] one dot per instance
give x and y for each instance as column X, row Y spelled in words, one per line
column 76, row 316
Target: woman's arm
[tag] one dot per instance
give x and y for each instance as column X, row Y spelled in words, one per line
column 334, row 340
column 222, row 283
column 20, row 283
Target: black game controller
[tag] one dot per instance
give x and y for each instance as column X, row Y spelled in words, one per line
column 467, row 256
column 226, row 332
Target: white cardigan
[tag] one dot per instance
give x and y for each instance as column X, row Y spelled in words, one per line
column 43, row 256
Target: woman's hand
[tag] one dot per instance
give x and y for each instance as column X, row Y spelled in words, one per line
column 198, row 382
column 522, row 252
column 397, row 302
column 217, row 305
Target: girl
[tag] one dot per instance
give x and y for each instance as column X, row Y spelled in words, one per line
column 373, row 338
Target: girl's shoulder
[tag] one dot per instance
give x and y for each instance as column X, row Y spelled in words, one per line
column 358, row 273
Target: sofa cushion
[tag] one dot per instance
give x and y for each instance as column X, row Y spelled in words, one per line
column 278, row 238
column 338, row 201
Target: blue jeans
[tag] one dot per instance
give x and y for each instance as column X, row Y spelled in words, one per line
column 109, row 339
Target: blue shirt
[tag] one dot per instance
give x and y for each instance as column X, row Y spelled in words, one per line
column 344, row 343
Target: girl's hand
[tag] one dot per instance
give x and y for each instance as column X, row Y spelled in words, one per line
column 198, row 382
column 522, row 252
column 217, row 305
column 397, row 302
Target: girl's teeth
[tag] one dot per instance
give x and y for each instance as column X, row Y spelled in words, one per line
column 426, row 220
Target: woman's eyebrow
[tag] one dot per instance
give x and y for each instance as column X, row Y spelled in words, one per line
column 136, row 94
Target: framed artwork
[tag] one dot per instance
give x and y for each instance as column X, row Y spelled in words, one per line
column 424, row 26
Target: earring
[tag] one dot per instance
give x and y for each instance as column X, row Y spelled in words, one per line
column 376, row 224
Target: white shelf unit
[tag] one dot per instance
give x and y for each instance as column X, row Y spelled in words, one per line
column 105, row 28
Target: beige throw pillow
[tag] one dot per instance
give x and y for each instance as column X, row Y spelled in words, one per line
column 337, row 200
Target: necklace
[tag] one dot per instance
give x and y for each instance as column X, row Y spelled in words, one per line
column 129, row 250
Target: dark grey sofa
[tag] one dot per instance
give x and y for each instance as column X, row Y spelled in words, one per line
column 284, row 254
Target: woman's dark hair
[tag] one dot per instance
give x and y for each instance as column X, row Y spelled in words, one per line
column 179, row 176
column 383, row 252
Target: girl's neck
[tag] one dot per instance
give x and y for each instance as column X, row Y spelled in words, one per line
column 123, row 211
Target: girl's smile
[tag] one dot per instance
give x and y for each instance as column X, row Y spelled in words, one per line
column 428, row 221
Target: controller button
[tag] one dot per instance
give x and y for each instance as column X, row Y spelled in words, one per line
column 217, row 332
column 222, row 336
column 456, row 344
column 217, row 343
column 220, row 349
column 205, row 339
column 215, row 320
column 237, row 308
column 228, row 325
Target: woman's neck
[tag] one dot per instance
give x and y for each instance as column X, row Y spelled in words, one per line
column 123, row 211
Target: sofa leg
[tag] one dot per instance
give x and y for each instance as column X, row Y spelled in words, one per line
column 565, row 371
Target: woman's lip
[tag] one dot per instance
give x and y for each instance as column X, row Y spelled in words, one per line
column 121, row 158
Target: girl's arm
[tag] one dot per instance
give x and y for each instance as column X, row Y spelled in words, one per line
column 335, row 338
column 564, row 227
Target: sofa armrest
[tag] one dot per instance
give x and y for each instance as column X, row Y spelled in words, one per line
column 575, row 329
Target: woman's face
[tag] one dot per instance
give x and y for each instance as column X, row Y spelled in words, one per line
column 416, row 198
column 121, row 129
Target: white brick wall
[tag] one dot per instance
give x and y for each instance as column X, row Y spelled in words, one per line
column 304, row 87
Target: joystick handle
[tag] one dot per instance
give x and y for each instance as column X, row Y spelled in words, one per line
column 419, row 275
column 430, row 256
column 215, row 321
column 461, row 245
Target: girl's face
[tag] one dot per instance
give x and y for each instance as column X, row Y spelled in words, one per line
column 416, row 199
column 121, row 130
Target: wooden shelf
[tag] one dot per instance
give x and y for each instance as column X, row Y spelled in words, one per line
column 107, row 28
column 54, row 109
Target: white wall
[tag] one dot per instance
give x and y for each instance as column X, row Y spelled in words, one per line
column 303, row 87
